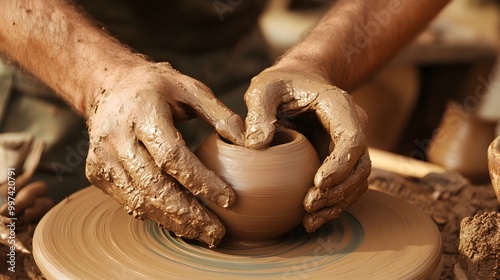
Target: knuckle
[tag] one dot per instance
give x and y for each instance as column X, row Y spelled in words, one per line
column 150, row 180
column 251, row 95
column 97, row 173
column 201, row 87
column 91, row 167
column 356, row 137
column 356, row 140
column 167, row 154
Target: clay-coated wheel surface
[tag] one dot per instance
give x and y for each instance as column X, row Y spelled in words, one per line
column 89, row 236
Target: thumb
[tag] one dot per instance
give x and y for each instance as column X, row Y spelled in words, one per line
column 262, row 100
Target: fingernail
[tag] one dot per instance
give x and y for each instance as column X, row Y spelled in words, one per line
column 240, row 139
column 223, row 201
column 318, row 204
column 255, row 139
column 238, row 130
column 307, row 222
column 322, row 180
column 312, row 223
column 206, row 239
column 260, row 134
column 210, row 236
column 317, row 222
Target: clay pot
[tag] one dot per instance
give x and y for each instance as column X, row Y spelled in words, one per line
column 494, row 165
column 460, row 143
column 270, row 184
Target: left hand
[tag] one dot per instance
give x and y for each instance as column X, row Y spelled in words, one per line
column 21, row 202
column 30, row 202
column 284, row 92
column 27, row 207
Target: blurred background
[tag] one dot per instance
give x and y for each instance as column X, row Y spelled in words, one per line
column 438, row 100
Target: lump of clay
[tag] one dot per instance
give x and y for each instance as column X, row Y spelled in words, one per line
column 494, row 165
column 480, row 246
column 270, row 184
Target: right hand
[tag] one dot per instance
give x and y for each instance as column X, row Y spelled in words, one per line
column 293, row 91
column 137, row 156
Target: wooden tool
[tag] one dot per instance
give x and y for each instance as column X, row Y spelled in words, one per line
column 402, row 165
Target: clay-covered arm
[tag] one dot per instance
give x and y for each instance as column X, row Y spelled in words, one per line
column 307, row 85
column 356, row 36
column 53, row 41
column 136, row 155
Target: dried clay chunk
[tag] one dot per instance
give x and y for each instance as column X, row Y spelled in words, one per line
column 480, row 246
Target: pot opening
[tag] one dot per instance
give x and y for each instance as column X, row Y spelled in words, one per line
column 281, row 137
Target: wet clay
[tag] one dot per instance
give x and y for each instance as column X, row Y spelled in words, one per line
column 480, row 234
column 89, row 236
column 480, row 246
column 137, row 156
column 451, row 148
column 270, row 184
column 282, row 94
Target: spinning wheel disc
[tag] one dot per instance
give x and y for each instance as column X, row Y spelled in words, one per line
column 89, row 236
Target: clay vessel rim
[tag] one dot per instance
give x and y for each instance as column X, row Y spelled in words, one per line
column 296, row 138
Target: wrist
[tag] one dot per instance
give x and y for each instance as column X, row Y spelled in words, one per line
column 110, row 76
column 309, row 62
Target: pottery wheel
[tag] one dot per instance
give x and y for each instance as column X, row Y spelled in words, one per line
column 89, row 236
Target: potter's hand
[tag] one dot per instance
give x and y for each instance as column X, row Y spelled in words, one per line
column 286, row 93
column 8, row 226
column 19, row 197
column 29, row 203
column 21, row 206
column 137, row 156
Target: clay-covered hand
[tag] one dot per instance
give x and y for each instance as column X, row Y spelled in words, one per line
column 20, row 198
column 7, row 227
column 137, row 156
column 29, row 203
column 21, row 206
column 287, row 93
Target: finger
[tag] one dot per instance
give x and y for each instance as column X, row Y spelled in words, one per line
column 19, row 185
column 158, row 197
column 106, row 173
column 28, row 194
column 362, row 118
column 5, row 238
column 346, row 133
column 317, row 198
column 26, row 197
column 4, row 188
column 313, row 221
column 170, row 153
column 262, row 100
column 33, row 214
column 207, row 107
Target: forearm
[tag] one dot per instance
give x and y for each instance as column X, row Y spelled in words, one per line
column 54, row 42
column 356, row 36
